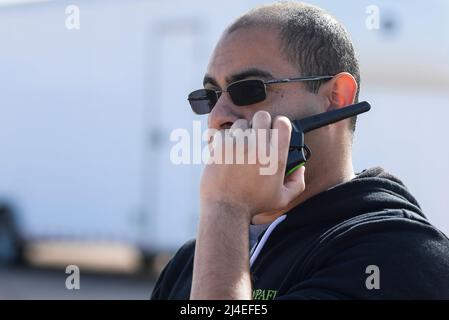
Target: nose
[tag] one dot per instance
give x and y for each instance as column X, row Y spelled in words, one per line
column 223, row 113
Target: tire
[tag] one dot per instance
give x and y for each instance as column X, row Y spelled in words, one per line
column 10, row 243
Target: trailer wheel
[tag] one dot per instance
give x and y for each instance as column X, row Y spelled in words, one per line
column 147, row 263
column 10, row 243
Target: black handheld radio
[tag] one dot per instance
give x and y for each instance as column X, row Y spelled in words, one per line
column 299, row 153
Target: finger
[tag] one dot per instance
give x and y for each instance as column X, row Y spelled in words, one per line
column 261, row 124
column 217, row 136
column 237, row 129
column 235, row 135
column 261, row 120
column 240, row 124
column 208, row 136
column 281, row 141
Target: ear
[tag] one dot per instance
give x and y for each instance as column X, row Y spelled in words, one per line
column 341, row 90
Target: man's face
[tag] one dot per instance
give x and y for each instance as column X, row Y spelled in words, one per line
column 255, row 53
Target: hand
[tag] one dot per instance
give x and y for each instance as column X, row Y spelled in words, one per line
column 245, row 186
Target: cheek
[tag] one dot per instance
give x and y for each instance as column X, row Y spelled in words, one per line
column 286, row 103
column 276, row 101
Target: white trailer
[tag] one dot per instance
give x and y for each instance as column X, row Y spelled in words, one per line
column 86, row 114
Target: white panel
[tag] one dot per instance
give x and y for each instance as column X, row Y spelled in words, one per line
column 406, row 133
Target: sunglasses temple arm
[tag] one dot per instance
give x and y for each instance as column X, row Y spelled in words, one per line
column 298, row 79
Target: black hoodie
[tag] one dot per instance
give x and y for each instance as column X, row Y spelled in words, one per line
column 364, row 239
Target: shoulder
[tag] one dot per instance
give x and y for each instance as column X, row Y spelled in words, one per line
column 410, row 254
column 389, row 231
column 398, row 224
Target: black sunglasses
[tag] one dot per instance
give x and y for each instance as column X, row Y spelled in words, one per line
column 242, row 93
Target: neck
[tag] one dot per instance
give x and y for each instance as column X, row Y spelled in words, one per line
column 325, row 178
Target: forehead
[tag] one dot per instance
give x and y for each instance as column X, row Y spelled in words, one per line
column 249, row 48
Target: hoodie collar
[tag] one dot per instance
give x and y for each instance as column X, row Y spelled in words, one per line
column 372, row 190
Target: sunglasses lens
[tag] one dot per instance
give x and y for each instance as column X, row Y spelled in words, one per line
column 247, row 92
column 202, row 101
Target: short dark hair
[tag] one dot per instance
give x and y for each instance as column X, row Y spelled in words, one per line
column 311, row 38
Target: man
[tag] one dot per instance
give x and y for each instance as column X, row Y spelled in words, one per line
column 318, row 233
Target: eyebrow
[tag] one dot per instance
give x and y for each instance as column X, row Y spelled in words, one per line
column 251, row 72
